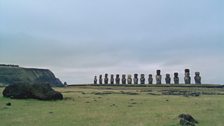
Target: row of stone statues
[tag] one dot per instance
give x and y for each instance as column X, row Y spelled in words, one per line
column 128, row 80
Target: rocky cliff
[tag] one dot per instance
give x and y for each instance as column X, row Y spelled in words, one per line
column 10, row 74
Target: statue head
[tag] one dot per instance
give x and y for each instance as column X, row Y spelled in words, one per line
column 168, row 75
column 187, row 72
column 197, row 73
column 158, row 72
column 175, row 74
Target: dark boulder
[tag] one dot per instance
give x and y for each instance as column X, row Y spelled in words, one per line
column 17, row 91
column 8, row 104
column 36, row 91
column 187, row 120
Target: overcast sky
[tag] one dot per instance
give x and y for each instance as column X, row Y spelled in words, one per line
column 78, row 39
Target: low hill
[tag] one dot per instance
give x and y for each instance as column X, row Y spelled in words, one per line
column 10, row 74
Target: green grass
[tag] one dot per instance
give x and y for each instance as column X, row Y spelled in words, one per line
column 81, row 107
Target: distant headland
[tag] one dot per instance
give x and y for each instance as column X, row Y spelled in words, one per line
column 10, row 74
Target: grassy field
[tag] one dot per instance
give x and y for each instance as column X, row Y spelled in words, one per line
column 116, row 106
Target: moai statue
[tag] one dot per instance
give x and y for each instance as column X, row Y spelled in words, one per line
column 129, row 79
column 187, row 78
column 65, row 84
column 111, row 79
column 100, row 80
column 117, row 79
column 150, row 79
column 142, row 79
column 197, row 78
column 158, row 77
column 176, row 78
column 123, row 80
column 106, row 79
column 168, row 79
column 95, row 80
column 135, row 79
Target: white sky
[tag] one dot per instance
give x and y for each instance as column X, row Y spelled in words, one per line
column 82, row 38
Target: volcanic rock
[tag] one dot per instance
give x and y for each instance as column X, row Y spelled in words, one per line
column 35, row 91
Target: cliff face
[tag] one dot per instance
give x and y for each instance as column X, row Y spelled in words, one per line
column 15, row 74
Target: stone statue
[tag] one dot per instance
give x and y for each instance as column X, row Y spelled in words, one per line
column 150, row 79
column 123, row 80
column 95, row 80
column 135, row 79
column 66, row 85
column 187, row 78
column 106, row 79
column 168, row 79
column 117, row 79
column 129, row 79
column 176, row 78
column 158, row 77
column 142, row 79
column 197, row 78
column 111, row 79
column 100, row 80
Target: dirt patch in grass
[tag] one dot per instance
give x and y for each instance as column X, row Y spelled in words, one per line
column 212, row 93
column 103, row 93
column 129, row 93
column 69, row 99
column 112, row 92
column 153, row 93
column 73, row 92
column 180, row 92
